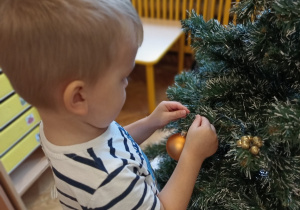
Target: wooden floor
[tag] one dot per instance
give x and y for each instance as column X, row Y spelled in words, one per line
column 38, row 197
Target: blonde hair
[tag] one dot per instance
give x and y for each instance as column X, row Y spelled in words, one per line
column 44, row 43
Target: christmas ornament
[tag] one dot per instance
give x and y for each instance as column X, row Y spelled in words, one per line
column 245, row 145
column 257, row 141
column 246, row 139
column 250, row 137
column 254, row 150
column 239, row 143
column 251, row 143
column 175, row 145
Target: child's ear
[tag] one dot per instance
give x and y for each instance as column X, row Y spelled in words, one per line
column 75, row 98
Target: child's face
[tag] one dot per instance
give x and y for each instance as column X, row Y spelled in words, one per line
column 108, row 95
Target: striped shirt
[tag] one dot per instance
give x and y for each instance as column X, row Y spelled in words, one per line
column 108, row 172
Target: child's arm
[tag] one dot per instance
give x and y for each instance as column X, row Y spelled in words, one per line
column 164, row 113
column 201, row 142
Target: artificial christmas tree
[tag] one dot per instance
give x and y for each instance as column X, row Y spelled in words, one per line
column 247, row 83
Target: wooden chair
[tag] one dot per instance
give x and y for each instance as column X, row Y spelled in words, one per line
column 9, row 198
column 162, row 29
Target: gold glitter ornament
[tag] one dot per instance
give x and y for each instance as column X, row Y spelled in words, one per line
column 257, row 141
column 250, row 137
column 239, row 143
column 245, row 145
column 245, row 139
column 254, row 150
column 250, row 143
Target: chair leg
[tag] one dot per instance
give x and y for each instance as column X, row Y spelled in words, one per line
column 150, row 87
column 181, row 53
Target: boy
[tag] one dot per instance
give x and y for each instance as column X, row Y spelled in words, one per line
column 71, row 59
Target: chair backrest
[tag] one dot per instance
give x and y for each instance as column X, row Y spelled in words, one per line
column 177, row 10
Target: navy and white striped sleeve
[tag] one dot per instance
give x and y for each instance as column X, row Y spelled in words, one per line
column 127, row 190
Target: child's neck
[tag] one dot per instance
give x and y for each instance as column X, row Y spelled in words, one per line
column 65, row 130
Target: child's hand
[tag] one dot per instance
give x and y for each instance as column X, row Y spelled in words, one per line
column 201, row 140
column 166, row 112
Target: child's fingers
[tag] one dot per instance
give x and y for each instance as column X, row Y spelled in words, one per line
column 205, row 122
column 197, row 122
column 177, row 114
column 213, row 127
column 174, row 105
